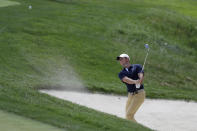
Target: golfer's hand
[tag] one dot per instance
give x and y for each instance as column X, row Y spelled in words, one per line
column 138, row 82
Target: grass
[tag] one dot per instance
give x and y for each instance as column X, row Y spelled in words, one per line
column 4, row 3
column 88, row 35
column 73, row 43
column 10, row 122
column 63, row 114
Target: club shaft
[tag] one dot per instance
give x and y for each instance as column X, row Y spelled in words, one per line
column 145, row 59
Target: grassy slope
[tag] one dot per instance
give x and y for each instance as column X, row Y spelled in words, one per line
column 12, row 122
column 4, row 3
column 90, row 34
column 37, row 45
column 63, row 114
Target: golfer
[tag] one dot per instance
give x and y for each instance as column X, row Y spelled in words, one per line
column 131, row 75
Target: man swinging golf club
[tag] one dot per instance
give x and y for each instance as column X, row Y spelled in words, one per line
column 132, row 75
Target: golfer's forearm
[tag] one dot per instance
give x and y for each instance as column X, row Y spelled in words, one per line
column 129, row 80
column 141, row 77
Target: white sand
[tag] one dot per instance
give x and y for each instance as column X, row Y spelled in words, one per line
column 162, row 115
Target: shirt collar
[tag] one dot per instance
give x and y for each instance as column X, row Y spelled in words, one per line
column 128, row 69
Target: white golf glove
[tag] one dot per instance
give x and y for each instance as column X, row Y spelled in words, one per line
column 137, row 85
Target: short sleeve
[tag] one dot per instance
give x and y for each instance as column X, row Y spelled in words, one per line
column 139, row 69
column 121, row 75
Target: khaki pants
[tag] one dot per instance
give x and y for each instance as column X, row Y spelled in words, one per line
column 133, row 104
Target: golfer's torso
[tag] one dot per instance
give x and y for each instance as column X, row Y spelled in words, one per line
column 132, row 73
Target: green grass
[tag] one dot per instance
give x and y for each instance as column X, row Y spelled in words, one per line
column 4, row 3
column 88, row 35
column 12, row 122
column 63, row 114
column 64, row 42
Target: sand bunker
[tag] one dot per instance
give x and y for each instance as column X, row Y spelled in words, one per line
column 162, row 115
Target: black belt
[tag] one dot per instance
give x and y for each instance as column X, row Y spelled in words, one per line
column 136, row 92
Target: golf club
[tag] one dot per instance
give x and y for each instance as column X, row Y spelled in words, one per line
column 147, row 47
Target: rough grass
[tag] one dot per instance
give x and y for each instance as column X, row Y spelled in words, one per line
column 37, row 44
column 82, row 38
column 63, row 114
column 89, row 35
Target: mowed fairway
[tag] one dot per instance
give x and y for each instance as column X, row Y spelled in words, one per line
column 12, row 122
column 4, row 3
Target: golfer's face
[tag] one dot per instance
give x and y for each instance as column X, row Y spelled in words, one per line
column 123, row 61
